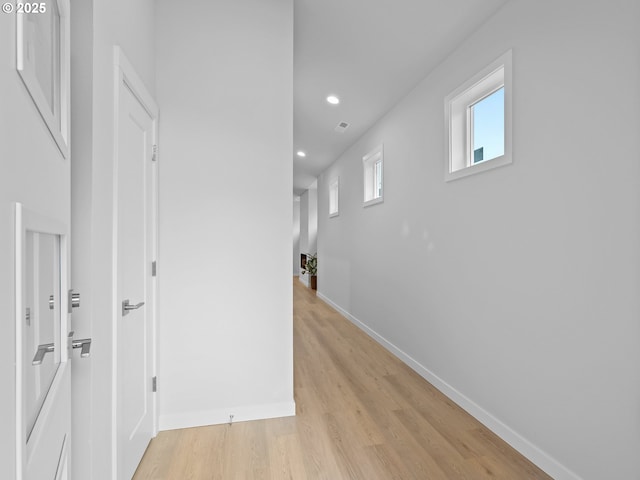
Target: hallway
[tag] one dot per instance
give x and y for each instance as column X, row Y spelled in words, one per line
column 361, row 414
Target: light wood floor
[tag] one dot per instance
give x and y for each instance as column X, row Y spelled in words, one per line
column 361, row 414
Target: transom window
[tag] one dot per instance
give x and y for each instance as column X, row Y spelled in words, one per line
column 479, row 121
column 334, row 198
column 373, row 176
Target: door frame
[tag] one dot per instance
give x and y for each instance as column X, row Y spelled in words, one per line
column 125, row 77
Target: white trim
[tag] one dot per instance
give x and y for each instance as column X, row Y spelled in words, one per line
column 155, row 279
column 125, row 76
column 118, row 80
column 221, row 416
column 19, row 300
column 540, row 458
column 133, row 81
column 374, row 201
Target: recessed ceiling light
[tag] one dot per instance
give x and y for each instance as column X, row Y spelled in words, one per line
column 300, row 153
column 333, row 100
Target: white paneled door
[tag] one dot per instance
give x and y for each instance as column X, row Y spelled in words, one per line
column 136, row 238
column 36, row 174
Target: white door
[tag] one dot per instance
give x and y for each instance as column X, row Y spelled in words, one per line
column 36, row 180
column 136, row 193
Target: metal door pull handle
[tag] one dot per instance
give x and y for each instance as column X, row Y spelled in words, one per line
column 126, row 307
column 85, row 345
column 42, row 351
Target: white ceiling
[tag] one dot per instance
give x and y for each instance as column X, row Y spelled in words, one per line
column 370, row 53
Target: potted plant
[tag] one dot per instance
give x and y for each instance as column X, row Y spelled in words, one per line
column 311, row 269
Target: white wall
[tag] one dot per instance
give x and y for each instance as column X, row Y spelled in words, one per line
column 515, row 290
column 99, row 27
column 224, row 72
column 296, row 236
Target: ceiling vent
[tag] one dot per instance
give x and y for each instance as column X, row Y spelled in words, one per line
column 342, row 126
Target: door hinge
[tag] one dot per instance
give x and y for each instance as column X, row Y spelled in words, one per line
column 154, row 384
column 155, row 153
column 154, row 268
column 73, row 300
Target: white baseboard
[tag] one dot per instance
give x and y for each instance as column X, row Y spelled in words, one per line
column 217, row 417
column 540, row 458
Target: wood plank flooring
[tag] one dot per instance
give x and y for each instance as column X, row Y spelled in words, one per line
column 361, row 414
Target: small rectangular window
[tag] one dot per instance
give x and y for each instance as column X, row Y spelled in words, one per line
column 334, row 192
column 372, row 164
column 479, row 121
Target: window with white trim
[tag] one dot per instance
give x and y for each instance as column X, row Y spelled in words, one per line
column 479, row 121
column 334, row 198
column 372, row 164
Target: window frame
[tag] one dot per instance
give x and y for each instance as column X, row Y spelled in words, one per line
column 334, row 187
column 370, row 176
column 459, row 119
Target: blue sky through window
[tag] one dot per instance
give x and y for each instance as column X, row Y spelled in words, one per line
column 488, row 126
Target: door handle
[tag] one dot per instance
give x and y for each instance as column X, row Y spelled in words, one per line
column 42, row 351
column 126, row 307
column 84, row 345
